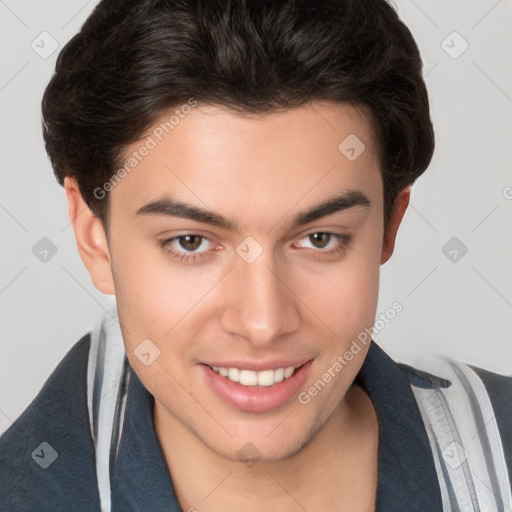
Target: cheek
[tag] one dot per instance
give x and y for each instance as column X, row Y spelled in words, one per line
column 158, row 299
column 150, row 285
column 345, row 294
column 350, row 303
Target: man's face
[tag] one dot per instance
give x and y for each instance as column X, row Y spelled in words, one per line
column 260, row 286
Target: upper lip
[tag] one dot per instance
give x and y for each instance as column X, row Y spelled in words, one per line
column 259, row 366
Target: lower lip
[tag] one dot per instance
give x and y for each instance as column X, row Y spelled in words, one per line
column 253, row 398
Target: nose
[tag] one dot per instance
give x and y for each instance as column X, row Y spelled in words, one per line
column 260, row 305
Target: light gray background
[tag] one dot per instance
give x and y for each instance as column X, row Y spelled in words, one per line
column 460, row 308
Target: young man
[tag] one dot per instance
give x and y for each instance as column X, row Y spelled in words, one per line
column 236, row 173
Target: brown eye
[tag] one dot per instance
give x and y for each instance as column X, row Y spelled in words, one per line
column 190, row 242
column 189, row 248
column 320, row 240
column 324, row 244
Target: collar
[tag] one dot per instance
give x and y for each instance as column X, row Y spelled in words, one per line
column 406, row 472
column 407, row 478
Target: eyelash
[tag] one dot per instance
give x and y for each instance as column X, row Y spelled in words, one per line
column 344, row 242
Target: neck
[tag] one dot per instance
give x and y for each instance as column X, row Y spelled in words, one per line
column 337, row 467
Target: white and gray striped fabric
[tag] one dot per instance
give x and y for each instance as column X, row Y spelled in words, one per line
column 459, row 420
column 107, row 385
column 465, row 440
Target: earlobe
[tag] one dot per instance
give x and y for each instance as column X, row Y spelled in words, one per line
column 401, row 204
column 90, row 239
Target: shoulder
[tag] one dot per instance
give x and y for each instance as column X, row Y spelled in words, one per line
column 456, row 401
column 498, row 386
column 445, row 373
column 47, row 455
column 499, row 389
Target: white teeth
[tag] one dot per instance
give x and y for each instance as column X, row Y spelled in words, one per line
column 266, row 378
column 279, row 375
column 234, row 374
column 248, row 378
column 252, row 378
column 288, row 372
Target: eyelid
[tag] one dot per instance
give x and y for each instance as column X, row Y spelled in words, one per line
column 332, row 229
column 343, row 241
column 342, row 238
column 298, row 236
column 175, row 233
column 169, row 240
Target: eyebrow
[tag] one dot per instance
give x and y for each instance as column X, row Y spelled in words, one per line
column 170, row 207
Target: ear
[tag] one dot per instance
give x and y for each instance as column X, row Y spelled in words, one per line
column 401, row 203
column 90, row 238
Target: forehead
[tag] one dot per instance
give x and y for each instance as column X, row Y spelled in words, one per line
column 211, row 155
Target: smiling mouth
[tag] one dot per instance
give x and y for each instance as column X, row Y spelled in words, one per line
column 263, row 378
column 253, row 390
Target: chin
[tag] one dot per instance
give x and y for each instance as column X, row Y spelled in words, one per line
column 267, row 445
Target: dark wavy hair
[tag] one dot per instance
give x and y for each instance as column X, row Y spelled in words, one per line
column 133, row 60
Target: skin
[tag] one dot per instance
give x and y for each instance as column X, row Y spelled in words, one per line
column 293, row 301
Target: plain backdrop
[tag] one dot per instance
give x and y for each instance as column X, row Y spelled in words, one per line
column 451, row 269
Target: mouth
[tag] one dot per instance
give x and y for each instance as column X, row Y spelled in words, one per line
column 263, row 378
column 255, row 391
